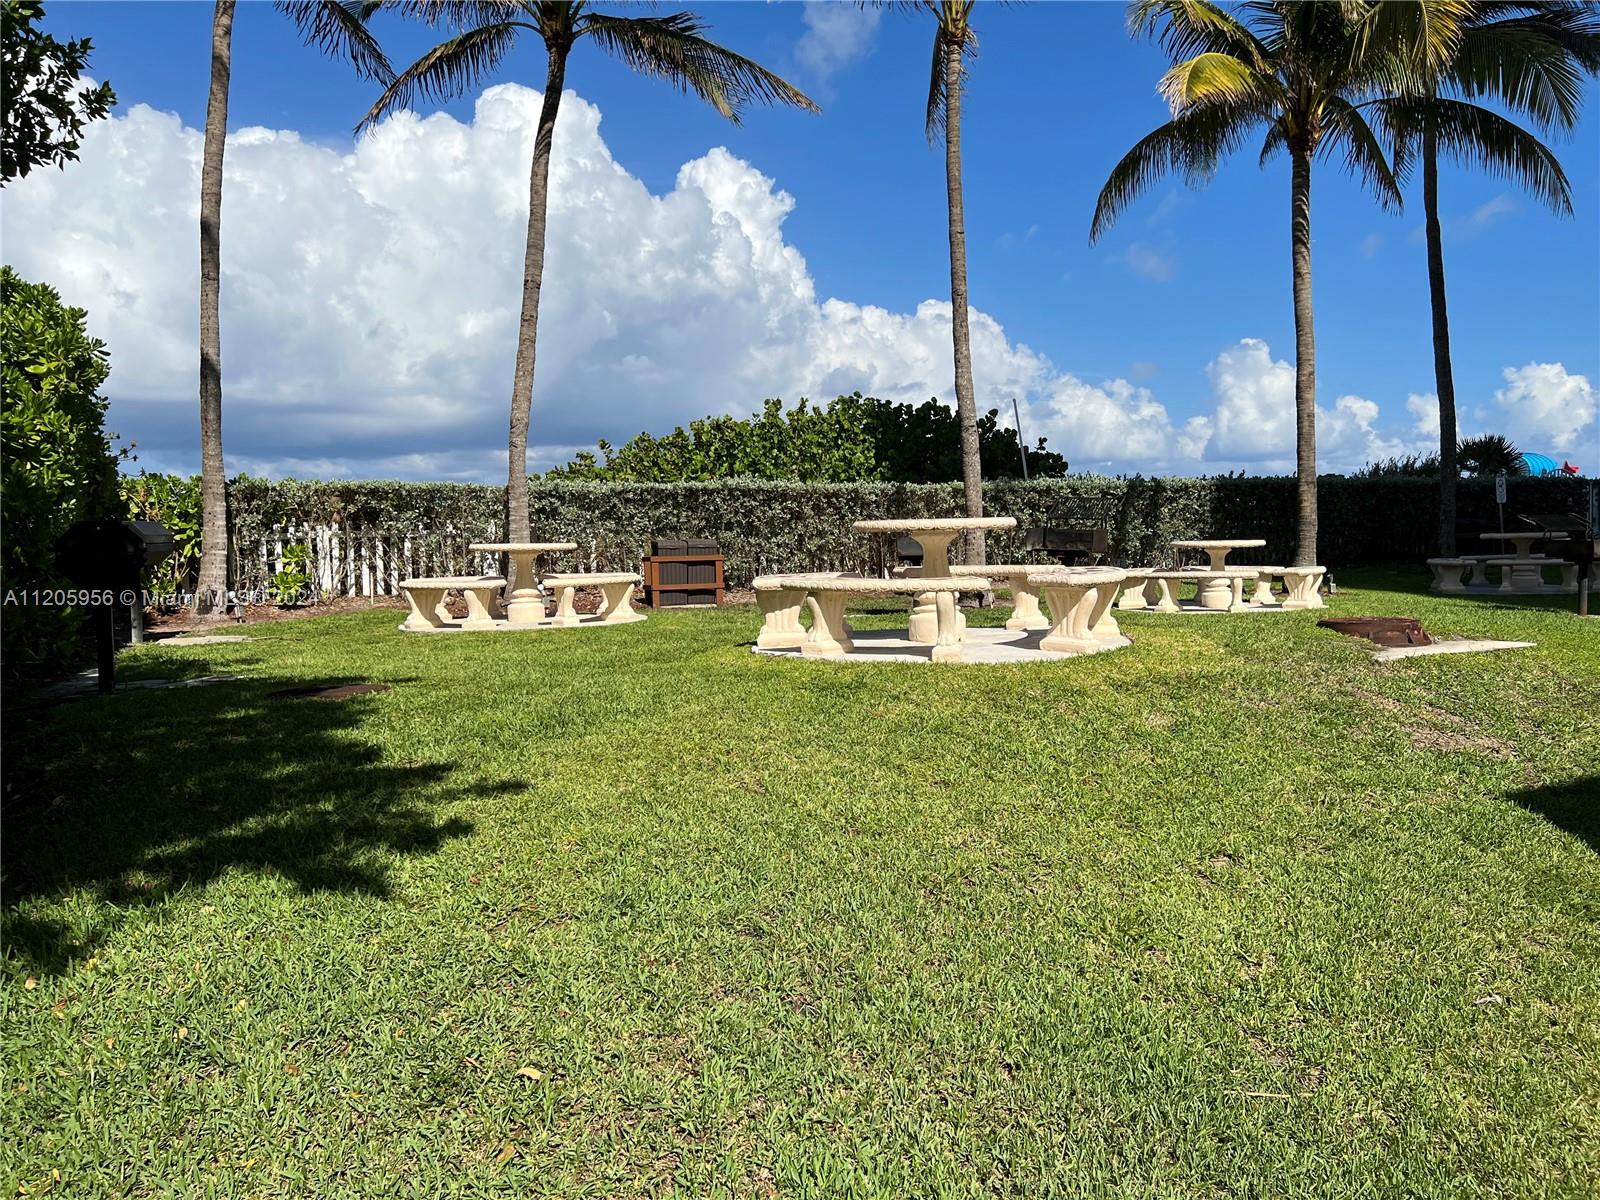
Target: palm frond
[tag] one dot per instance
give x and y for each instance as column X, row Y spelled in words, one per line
column 938, row 93
column 672, row 49
column 1190, row 145
column 1363, row 153
column 1414, row 36
column 1186, row 28
column 1275, row 141
column 1533, row 64
column 1484, row 139
column 1212, row 78
column 458, row 14
column 339, row 29
column 1399, row 122
column 449, row 69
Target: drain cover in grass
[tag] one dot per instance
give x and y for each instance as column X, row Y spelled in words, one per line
column 342, row 692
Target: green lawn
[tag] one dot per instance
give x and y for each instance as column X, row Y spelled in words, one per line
column 1233, row 912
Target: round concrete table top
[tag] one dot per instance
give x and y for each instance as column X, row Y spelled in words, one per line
column 1088, row 576
column 522, row 547
column 1219, row 543
column 1217, row 548
column 915, row 525
column 872, row 585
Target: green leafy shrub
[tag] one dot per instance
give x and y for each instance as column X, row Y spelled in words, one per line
column 172, row 501
column 56, row 463
column 48, row 103
column 291, row 584
column 850, row 439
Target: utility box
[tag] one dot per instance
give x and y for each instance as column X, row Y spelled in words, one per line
column 681, row 573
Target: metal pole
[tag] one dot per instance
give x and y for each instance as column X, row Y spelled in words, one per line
column 136, row 620
column 106, row 645
column 1021, row 445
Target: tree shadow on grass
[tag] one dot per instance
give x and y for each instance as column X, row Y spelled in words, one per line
column 1573, row 806
column 126, row 799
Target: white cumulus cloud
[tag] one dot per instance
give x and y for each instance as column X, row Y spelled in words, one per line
column 1424, row 410
column 837, row 34
column 1543, row 406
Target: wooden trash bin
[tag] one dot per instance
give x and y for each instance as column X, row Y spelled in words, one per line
column 681, row 573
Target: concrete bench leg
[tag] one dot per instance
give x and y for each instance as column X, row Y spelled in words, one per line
column 566, row 614
column 479, row 613
column 947, row 648
column 1446, row 578
column 1569, row 577
column 1262, row 597
column 1239, row 603
column 1480, row 574
column 1070, row 606
column 828, row 636
column 427, row 609
column 616, row 604
column 1102, row 613
column 1304, row 591
column 1135, row 596
column 780, row 619
column 1164, row 600
column 1025, row 613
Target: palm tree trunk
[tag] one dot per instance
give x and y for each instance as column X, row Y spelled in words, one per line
column 212, row 587
column 966, row 406
column 1443, row 378
column 532, row 280
column 1305, row 364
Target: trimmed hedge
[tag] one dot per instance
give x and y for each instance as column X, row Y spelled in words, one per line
column 56, row 464
column 765, row 525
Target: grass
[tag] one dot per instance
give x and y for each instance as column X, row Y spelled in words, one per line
column 633, row 912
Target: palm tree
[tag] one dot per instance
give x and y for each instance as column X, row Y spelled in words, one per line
column 1298, row 70
column 212, row 586
column 1532, row 58
column 667, row 47
column 1489, row 454
column 335, row 25
column 954, row 42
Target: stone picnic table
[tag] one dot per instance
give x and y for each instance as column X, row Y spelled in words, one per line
column 934, row 534
column 1522, row 569
column 1522, row 543
column 525, row 606
column 1218, row 548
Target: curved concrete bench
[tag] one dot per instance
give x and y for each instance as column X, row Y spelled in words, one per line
column 1080, row 600
column 1447, row 574
column 1138, row 589
column 426, row 596
column 1304, row 586
column 1527, row 574
column 826, row 594
column 780, row 606
column 1220, row 590
column 616, row 596
column 1025, row 612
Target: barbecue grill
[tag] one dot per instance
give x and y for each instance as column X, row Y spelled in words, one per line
column 1069, row 546
column 1579, row 545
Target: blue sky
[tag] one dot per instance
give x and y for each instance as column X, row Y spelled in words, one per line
column 1058, row 93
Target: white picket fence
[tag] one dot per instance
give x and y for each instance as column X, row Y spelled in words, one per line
column 356, row 560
